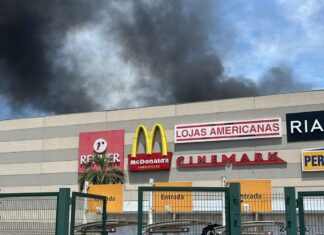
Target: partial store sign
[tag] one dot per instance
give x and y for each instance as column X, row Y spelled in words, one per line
column 231, row 130
column 313, row 159
column 305, row 126
column 101, row 143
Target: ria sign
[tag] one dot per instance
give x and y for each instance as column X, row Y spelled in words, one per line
column 234, row 130
column 149, row 161
column 101, row 143
column 305, row 126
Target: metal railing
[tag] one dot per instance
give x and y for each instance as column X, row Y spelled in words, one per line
column 166, row 210
column 188, row 210
column 263, row 214
column 89, row 214
column 28, row 213
column 311, row 212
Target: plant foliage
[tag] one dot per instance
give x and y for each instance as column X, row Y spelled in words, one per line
column 103, row 174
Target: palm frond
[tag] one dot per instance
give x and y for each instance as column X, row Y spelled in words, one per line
column 103, row 175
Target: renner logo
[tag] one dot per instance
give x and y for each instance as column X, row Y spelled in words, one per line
column 112, row 158
column 108, row 144
column 100, row 146
column 149, row 161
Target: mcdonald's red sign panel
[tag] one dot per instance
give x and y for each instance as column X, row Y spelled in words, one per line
column 149, row 161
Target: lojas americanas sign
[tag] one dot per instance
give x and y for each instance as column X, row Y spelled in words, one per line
column 225, row 159
column 230, row 130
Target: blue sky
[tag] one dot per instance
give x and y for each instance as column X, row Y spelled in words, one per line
column 270, row 32
column 88, row 65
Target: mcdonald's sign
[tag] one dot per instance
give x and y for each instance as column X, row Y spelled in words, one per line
column 149, row 161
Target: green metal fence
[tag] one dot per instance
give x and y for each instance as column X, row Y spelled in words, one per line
column 311, row 212
column 269, row 214
column 88, row 214
column 167, row 210
column 49, row 213
column 263, row 214
column 28, row 213
column 188, row 210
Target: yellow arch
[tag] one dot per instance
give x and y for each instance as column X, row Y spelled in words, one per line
column 138, row 131
column 149, row 139
column 164, row 143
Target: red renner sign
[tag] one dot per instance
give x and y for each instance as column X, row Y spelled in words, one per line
column 234, row 130
column 107, row 143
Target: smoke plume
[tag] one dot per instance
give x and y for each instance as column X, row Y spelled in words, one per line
column 31, row 76
column 73, row 56
column 173, row 43
column 280, row 79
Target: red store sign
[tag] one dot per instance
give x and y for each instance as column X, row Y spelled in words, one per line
column 107, row 143
column 149, row 161
column 234, row 159
column 234, row 130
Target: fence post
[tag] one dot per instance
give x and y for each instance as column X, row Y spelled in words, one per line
column 301, row 214
column 140, row 211
column 291, row 215
column 62, row 212
column 104, row 216
column 235, row 209
column 73, row 207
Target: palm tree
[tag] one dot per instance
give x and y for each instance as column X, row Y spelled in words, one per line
column 103, row 175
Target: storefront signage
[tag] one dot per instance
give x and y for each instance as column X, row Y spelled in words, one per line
column 114, row 194
column 149, row 161
column 172, row 201
column 234, row 159
column 109, row 144
column 233, row 130
column 305, row 126
column 255, row 195
column 313, row 159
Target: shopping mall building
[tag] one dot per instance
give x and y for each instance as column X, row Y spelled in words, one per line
column 278, row 138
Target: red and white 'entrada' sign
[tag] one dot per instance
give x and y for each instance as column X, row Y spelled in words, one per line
column 107, row 143
column 234, row 130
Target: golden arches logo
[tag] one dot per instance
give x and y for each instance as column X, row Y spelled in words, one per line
column 149, row 139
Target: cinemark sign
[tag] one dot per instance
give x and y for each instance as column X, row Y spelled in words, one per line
column 234, row 130
column 234, row 159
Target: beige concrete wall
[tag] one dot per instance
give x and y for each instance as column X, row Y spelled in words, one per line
column 47, row 147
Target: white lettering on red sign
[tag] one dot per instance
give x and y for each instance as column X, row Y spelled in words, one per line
column 112, row 158
column 252, row 129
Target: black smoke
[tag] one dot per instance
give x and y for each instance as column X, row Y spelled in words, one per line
column 30, row 75
column 173, row 42
column 167, row 46
column 280, row 79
